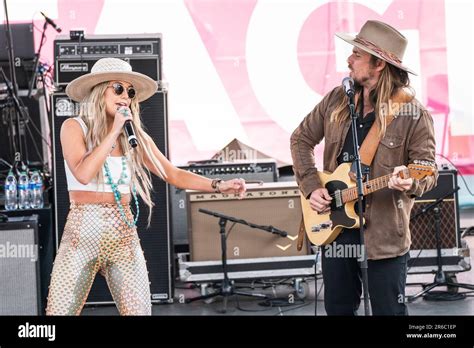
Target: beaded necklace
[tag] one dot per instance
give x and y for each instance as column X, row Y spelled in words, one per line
column 118, row 195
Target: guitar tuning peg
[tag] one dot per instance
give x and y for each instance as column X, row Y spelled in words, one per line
column 424, row 163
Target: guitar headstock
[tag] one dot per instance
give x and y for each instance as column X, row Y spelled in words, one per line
column 420, row 169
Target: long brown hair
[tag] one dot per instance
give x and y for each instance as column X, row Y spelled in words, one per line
column 93, row 113
column 392, row 80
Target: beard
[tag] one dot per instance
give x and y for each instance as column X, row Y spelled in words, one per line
column 360, row 82
column 357, row 85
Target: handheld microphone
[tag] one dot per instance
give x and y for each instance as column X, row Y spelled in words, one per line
column 51, row 22
column 348, row 85
column 128, row 129
column 130, row 133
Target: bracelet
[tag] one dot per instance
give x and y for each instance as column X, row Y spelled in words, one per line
column 215, row 185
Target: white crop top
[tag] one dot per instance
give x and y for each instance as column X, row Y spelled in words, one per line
column 115, row 166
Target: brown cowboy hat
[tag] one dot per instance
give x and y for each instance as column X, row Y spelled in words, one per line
column 381, row 40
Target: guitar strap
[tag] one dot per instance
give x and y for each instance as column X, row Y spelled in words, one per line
column 301, row 234
column 371, row 142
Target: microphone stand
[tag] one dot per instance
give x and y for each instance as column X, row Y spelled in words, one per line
column 20, row 146
column 227, row 286
column 13, row 90
column 360, row 195
column 37, row 57
column 16, row 141
column 11, row 54
column 270, row 229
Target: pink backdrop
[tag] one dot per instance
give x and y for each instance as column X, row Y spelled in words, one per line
column 226, row 29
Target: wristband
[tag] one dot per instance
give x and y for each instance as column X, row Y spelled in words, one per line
column 215, row 185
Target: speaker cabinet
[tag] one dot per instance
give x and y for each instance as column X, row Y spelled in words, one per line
column 155, row 240
column 265, row 171
column 46, row 244
column 19, row 267
column 454, row 253
column 275, row 204
column 422, row 227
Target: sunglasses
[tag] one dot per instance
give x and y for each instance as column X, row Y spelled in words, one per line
column 119, row 88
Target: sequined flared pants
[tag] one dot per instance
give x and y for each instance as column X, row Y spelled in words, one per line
column 96, row 239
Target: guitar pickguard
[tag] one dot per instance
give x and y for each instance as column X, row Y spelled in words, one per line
column 338, row 215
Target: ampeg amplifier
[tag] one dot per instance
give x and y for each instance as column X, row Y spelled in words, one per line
column 423, row 234
column 265, row 171
column 75, row 58
column 272, row 204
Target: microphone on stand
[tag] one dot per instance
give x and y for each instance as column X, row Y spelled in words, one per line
column 348, row 85
column 51, row 22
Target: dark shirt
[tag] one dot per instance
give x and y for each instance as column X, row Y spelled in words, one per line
column 363, row 127
column 347, row 154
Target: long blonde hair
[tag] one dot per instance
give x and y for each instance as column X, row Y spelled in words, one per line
column 392, row 81
column 93, row 113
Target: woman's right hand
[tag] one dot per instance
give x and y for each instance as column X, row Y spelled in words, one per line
column 122, row 115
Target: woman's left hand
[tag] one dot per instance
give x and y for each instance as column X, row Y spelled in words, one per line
column 235, row 186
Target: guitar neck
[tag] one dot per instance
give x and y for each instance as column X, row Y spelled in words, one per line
column 370, row 186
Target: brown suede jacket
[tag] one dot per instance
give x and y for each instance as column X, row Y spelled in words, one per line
column 409, row 137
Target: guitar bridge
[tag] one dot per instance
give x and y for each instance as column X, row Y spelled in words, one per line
column 321, row 226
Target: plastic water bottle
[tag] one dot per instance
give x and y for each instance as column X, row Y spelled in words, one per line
column 11, row 198
column 36, row 191
column 23, row 191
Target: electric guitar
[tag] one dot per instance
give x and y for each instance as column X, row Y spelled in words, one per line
column 322, row 229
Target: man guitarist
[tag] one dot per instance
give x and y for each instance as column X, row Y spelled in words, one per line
column 405, row 134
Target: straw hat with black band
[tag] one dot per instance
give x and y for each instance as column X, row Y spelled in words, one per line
column 111, row 69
